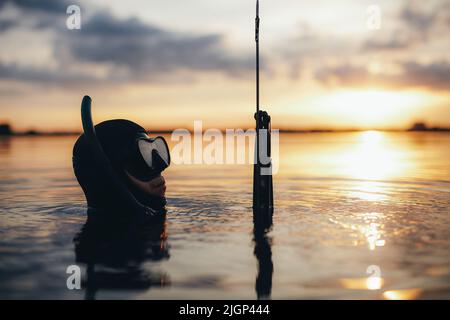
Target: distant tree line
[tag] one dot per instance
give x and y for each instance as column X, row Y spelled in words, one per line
column 5, row 129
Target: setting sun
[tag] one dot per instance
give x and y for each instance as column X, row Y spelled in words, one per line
column 372, row 108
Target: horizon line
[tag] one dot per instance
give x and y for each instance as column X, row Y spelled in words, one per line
column 317, row 130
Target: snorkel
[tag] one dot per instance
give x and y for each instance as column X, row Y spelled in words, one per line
column 103, row 163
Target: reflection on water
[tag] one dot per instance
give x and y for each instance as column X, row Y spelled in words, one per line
column 371, row 158
column 373, row 282
column 263, row 254
column 114, row 254
column 407, row 294
column 358, row 215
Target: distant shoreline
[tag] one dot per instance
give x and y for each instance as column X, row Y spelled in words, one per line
column 74, row 133
column 6, row 130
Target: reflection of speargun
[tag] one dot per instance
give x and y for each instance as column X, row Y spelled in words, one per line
column 263, row 254
column 262, row 171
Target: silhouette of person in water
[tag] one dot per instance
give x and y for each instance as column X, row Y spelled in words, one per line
column 118, row 139
column 119, row 167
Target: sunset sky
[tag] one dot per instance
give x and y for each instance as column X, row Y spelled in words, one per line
column 167, row 63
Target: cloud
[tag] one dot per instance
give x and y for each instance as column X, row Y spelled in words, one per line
column 416, row 18
column 34, row 15
column 434, row 76
column 129, row 49
column 417, row 24
column 397, row 41
column 46, row 6
column 309, row 47
column 27, row 74
column 6, row 24
column 145, row 49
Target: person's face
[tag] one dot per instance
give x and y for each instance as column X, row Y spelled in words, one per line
column 155, row 187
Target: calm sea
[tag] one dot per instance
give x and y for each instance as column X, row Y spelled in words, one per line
column 358, row 215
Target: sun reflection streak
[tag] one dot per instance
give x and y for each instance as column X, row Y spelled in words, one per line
column 406, row 294
column 369, row 283
column 369, row 191
column 374, row 283
column 372, row 158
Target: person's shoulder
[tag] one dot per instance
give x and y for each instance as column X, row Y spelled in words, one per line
column 79, row 146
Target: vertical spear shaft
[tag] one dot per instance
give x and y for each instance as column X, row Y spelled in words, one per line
column 262, row 190
column 262, row 169
column 257, row 54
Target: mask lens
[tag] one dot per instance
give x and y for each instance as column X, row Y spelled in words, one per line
column 146, row 147
column 159, row 145
column 162, row 149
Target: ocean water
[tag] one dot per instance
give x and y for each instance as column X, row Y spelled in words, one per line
column 362, row 215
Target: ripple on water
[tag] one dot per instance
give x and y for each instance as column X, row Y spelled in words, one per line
column 332, row 228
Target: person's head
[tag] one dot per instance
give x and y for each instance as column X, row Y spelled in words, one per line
column 135, row 159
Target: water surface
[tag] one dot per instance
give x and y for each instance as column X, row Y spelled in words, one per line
column 358, row 215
